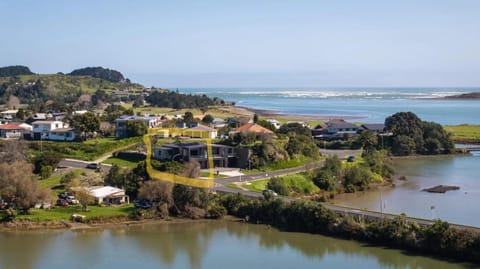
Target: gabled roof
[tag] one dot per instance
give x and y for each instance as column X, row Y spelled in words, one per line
column 104, row 191
column 341, row 124
column 374, row 126
column 253, row 127
column 62, row 130
column 202, row 128
column 45, row 121
column 10, row 127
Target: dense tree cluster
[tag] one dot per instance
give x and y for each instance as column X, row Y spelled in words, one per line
column 99, row 72
column 15, row 70
column 414, row 136
column 178, row 101
column 312, row 217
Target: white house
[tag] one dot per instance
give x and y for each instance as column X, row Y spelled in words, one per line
column 41, row 128
column 11, row 131
column 62, row 134
column 52, row 130
column 121, row 124
column 108, row 195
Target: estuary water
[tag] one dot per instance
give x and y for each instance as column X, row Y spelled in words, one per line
column 459, row 206
column 215, row 244
column 371, row 104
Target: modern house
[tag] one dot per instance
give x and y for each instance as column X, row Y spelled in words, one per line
column 11, row 131
column 121, row 124
column 223, row 156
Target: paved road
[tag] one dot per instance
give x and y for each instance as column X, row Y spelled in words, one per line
column 79, row 164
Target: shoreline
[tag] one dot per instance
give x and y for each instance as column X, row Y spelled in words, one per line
column 306, row 117
column 109, row 223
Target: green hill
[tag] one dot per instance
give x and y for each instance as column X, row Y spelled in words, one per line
column 100, row 72
column 57, row 87
column 14, row 70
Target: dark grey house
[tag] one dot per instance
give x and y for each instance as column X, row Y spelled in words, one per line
column 223, row 156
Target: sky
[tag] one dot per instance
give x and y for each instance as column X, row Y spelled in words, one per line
column 250, row 43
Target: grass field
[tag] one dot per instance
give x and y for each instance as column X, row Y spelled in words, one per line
column 89, row 150
column 53, row 181
column 121, row 162
column 65, row 213
column 257, row 185
column 464, row 133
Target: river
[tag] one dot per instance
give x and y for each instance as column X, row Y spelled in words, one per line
column 215, row 244
column 460, row 206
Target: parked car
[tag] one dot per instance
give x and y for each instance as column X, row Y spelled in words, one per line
column 71, row 200
column 62, row 202
column 93, row 166
column 144, row 204
column 269, row 192
column 351, row 159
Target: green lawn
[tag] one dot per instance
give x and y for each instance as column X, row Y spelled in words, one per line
column 64, row 213
column 233, row 186
column 53, row 181
column 464, row 133
column 89, row 150
column 121, row 162
column 257, row 185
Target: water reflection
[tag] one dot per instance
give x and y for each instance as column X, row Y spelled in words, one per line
column 24, row 249
column 196, row 245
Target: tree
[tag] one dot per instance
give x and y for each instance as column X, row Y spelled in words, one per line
column 84, row 198
column 188, row 117
column 13, row 102
column 294, row 127
column 12, row 151
column 207, row 119
column 18, row 187
column 267, row 125
column 136, row 128
column 255, row 118
column 87, row 123
column 368, row 140
column 192, row 169
column 157, row 191
column 116, row 177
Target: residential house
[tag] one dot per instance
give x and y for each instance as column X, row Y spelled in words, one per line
column 219, row 123
column 200, row 131
column 11, row 131
column 107, row 195
column 9, row 114
column 41, row 129
column 378, row 128
column 253, row 127
column 339, row 126
column 63, row 134
column 319, row 131
column 121, row 124
column 222, row 156
column 275, row 123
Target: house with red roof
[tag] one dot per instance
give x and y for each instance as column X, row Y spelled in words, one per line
column 11, row 131
column 254, row 128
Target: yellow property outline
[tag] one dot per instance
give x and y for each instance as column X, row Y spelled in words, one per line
column 194, row 182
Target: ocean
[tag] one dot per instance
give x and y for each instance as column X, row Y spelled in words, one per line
column 371, row 105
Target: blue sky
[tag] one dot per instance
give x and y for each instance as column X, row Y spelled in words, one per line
column 247, row 43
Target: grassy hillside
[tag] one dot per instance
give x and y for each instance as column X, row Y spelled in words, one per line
column 56, row 87
column 464, row 133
